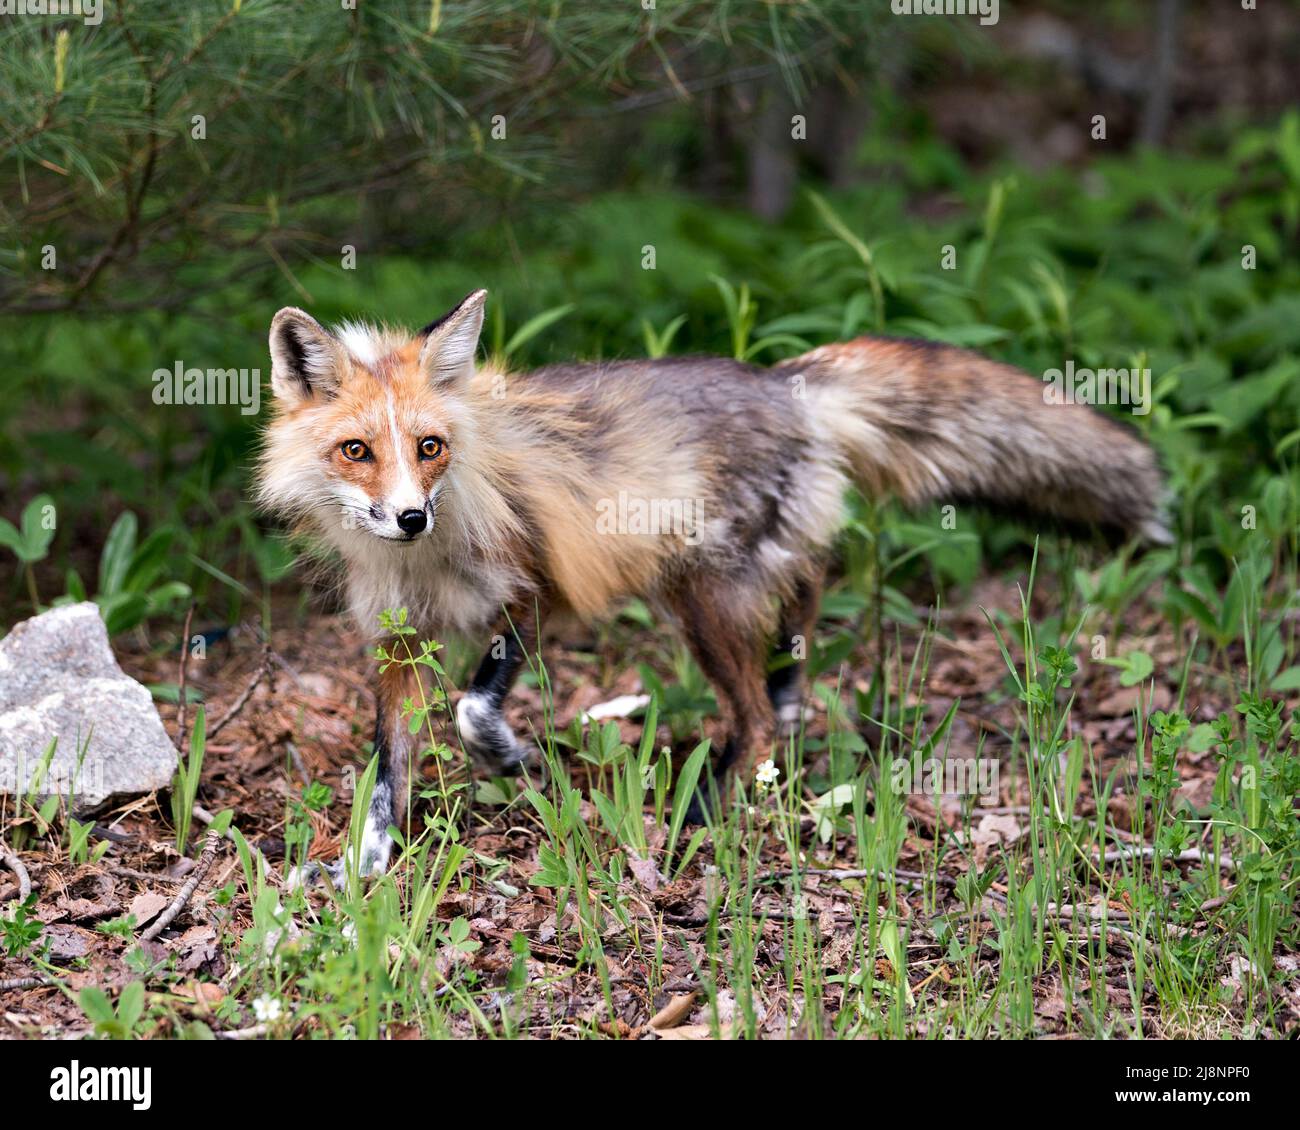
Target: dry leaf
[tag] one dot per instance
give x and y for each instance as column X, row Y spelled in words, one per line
column 688, row 1032
column 644, row 871
column 673, row 1013
column 994, row 828
column 147, row 906
column 66, row 942
column 203, row 993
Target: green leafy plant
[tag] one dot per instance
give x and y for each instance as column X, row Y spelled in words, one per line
column 79, row 849
column 742, row 312
column 30, row 814
column 131, row 588
column 30, row 540
column 120, row 1022
column 185, row 784
column 20, row 932
column 420, row 710
column 507, row 348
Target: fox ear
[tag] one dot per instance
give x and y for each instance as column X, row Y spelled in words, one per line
column 450, row 342
column 306, row 359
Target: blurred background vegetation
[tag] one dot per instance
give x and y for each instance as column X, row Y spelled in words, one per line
column 176, row 173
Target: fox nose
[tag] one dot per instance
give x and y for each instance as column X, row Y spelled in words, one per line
column 411, row 521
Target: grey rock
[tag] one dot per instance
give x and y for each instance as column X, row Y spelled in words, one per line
column 58, row 679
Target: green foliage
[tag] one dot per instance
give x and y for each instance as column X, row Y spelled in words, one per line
column 1176, row 262
column 30, row 814
column 224, row 124
column 131, row 585
column 20, row 931
column 1144, row 266
column 185, row 785
column 31, row 541
column 420, row 710
column 686, row 701
column 114, row 1023
column 79, row 849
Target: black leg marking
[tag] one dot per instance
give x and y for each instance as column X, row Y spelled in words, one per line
column 794, row 638
column 483, row 730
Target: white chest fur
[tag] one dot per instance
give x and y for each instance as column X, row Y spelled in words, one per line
column 441, row 594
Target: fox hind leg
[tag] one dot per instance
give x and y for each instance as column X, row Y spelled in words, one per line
column 731, row 655
column 785, row 682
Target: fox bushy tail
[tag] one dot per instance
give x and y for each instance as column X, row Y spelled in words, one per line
column 931, row 422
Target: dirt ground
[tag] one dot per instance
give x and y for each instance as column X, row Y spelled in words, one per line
column 309, row 719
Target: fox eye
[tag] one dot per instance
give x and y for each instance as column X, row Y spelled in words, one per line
column 430, row 447
column 355, row 450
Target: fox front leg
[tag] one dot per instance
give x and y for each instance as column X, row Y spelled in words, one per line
column 479, row 719
column 394, row 746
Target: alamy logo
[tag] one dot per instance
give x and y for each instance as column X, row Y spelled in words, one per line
column 977, row 776
column 631, row 514
column 90, row 11
column 987, row 10
column 45, row 779
column 75, row 1083
column 179, row 385
column 1130, row 387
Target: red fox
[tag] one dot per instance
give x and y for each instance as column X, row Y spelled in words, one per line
column 482, row 501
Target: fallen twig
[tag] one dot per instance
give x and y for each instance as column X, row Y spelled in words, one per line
column 299, row 765
column 205, row 817
column 1095, row 916
column 15, row 865
column 858, row 873
column 183, row 896
column 15, row 983
column 1191, row 855
column 263, row 666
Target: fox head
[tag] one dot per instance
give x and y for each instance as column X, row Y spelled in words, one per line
column 365, row 423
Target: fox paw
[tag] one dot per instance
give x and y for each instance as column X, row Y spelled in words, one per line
column 313, row 874
column 487, row 738
column 790, row 718
column 376, row 848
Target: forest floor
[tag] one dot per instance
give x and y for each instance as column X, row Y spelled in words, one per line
column 788, row 935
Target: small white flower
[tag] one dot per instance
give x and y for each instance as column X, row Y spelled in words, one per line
column 266, row 1009
column 766, row 774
